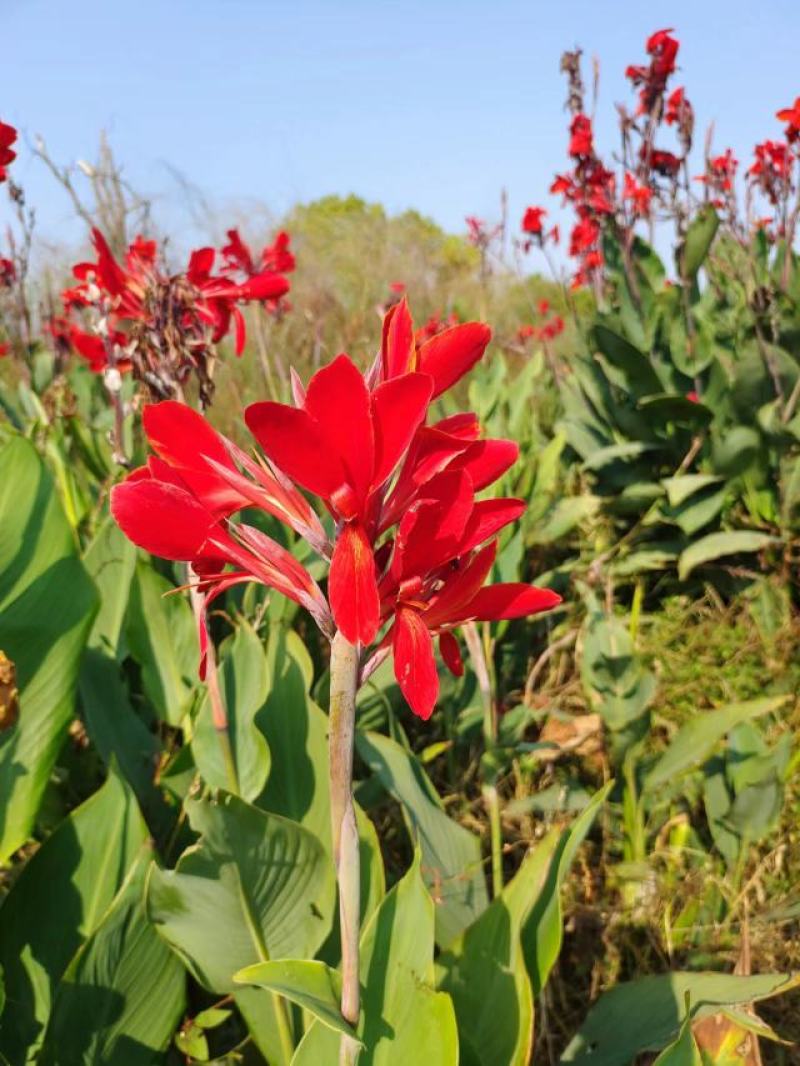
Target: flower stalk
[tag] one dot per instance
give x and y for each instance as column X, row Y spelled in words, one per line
column 344, row 831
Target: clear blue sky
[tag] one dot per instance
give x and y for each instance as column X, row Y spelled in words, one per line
column 434, row 105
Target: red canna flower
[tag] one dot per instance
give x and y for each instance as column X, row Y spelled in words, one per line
column 360, row 443
column 532, row 220
column 638, row 195
column 581, row 138
column 791, row 116
column 8, row 273
column 667, row 164
column 8, row 137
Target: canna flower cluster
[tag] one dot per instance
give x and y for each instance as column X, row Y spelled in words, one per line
column 161, row 326
column 550, row 326
column 652, row 180
column 408, row 542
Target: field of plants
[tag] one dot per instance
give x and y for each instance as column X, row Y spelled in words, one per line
column 436, row 702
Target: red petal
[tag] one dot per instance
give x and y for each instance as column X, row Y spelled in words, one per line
column 353, row 586
column 200, row 263
column 265, row 286
column 461, row 588
column 183, row 439
column 414, row 664
column 398, row 408
column 512, row 600
column 486, row 460
column 488, row 517
column 451, row 653
column 450, row 354
column 163, row 519
column 397, row 349
column 240, row 335
column 295, row 443
column 338, row 399
column 431, row 531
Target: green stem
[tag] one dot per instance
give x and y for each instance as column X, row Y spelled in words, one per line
column 344, row 831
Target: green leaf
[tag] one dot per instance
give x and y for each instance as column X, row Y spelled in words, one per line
column 57, row 900
column 672, row 407
column 635, row 365
column 717, row 545
column 542, row 928
column 401, row 1013
column 117, row 732
column 566, row 514
column 736, row 451
column 244, row 681
column 451, row 856
column 122, row 995
column 47, row 605
column 696, row 740
column 645, row 1015
column 697, row 244
column 163, row 640
column 681, row 488
column 681, row 1052
column 486, row 975
column 310, row 984
column 255, row 887
column 110, row 561
column 296, row 730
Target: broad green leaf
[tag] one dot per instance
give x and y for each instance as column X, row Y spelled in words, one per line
column 163, row 640
column 682, row 1051
column 310, row 984
column 542, row 928
column 47, row 605
column 699, row 238
column 296, row 730
column 243, row 683
column 645, row 1015
column 122, row 995
column 672, row 407
column 718, row 545
column 110, row 561
column 680, row 488
column 629, row 450
column 635, row 365
column 117, row 732
column 255, row 887
column 401, row 1014
column 696, row 740
column 58, row 900
column 736, row 451
column 485, row 971
column 452, row 863
column 566, row 514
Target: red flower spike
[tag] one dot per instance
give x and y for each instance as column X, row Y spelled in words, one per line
column 512, row 600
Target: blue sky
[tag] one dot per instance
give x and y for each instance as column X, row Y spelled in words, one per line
column 432, row 105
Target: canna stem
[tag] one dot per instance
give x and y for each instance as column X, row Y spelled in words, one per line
column 344, row 832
